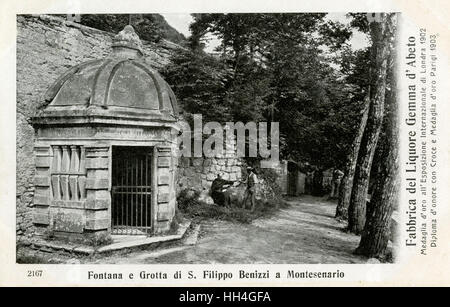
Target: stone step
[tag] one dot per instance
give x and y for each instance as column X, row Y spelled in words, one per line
column 135, row 242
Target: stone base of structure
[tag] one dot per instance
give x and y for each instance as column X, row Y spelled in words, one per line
column 74, row 184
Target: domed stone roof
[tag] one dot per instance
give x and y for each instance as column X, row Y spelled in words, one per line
column 120, row 85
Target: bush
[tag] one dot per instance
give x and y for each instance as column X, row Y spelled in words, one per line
column 270, row 177
column 189, row 205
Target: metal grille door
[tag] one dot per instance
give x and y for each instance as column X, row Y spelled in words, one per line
column 131, row 190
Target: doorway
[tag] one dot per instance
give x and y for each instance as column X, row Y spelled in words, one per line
column 131, row 191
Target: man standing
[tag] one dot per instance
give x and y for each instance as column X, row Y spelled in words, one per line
column 250, row 192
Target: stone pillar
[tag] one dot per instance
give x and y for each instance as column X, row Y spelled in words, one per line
column 42, row 193
column 165, row 200
column 98, row 197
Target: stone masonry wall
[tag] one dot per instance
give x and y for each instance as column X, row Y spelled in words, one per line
column 46, row 47
column 199, row 173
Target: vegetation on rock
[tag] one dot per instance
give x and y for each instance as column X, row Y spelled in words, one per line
column 149, row 27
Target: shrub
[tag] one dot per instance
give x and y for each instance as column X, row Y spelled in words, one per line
column 270, row 176
column 190, row 206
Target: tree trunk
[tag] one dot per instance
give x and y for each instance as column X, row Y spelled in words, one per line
column 380, row 53
column 345, row 188
column 376, row 233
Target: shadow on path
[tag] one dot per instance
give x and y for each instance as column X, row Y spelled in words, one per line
column 305, row 232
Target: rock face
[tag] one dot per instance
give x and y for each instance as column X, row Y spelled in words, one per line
column 46, row 47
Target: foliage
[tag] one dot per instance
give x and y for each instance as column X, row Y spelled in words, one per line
column 199, row 81
column 275, row 67
column 268, row 178
column 190, row 206
column 150, row 27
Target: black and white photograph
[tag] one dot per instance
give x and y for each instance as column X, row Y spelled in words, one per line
column 207, row 138
column 224, row 144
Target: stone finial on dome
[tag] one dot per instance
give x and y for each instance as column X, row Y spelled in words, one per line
column 125, row 40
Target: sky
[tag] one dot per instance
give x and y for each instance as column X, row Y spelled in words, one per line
column 181, row 23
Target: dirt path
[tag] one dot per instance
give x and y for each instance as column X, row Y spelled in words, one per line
column 305, row 232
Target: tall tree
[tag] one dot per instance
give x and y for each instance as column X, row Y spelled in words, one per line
column 345, row 189
column 377, row 230
column 380, row 32
column 354, row 65
column 279, row 68
column 200, row 83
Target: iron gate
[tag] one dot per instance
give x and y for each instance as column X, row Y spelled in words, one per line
column 131, row 194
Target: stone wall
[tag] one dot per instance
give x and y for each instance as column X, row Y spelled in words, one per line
column 199, row 173
column 46, row 47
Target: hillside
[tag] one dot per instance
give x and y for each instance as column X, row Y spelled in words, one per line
column 150, row 27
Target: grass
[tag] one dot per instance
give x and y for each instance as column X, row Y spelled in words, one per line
column 99, row 240
column 190, row 206
column 29, row 259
